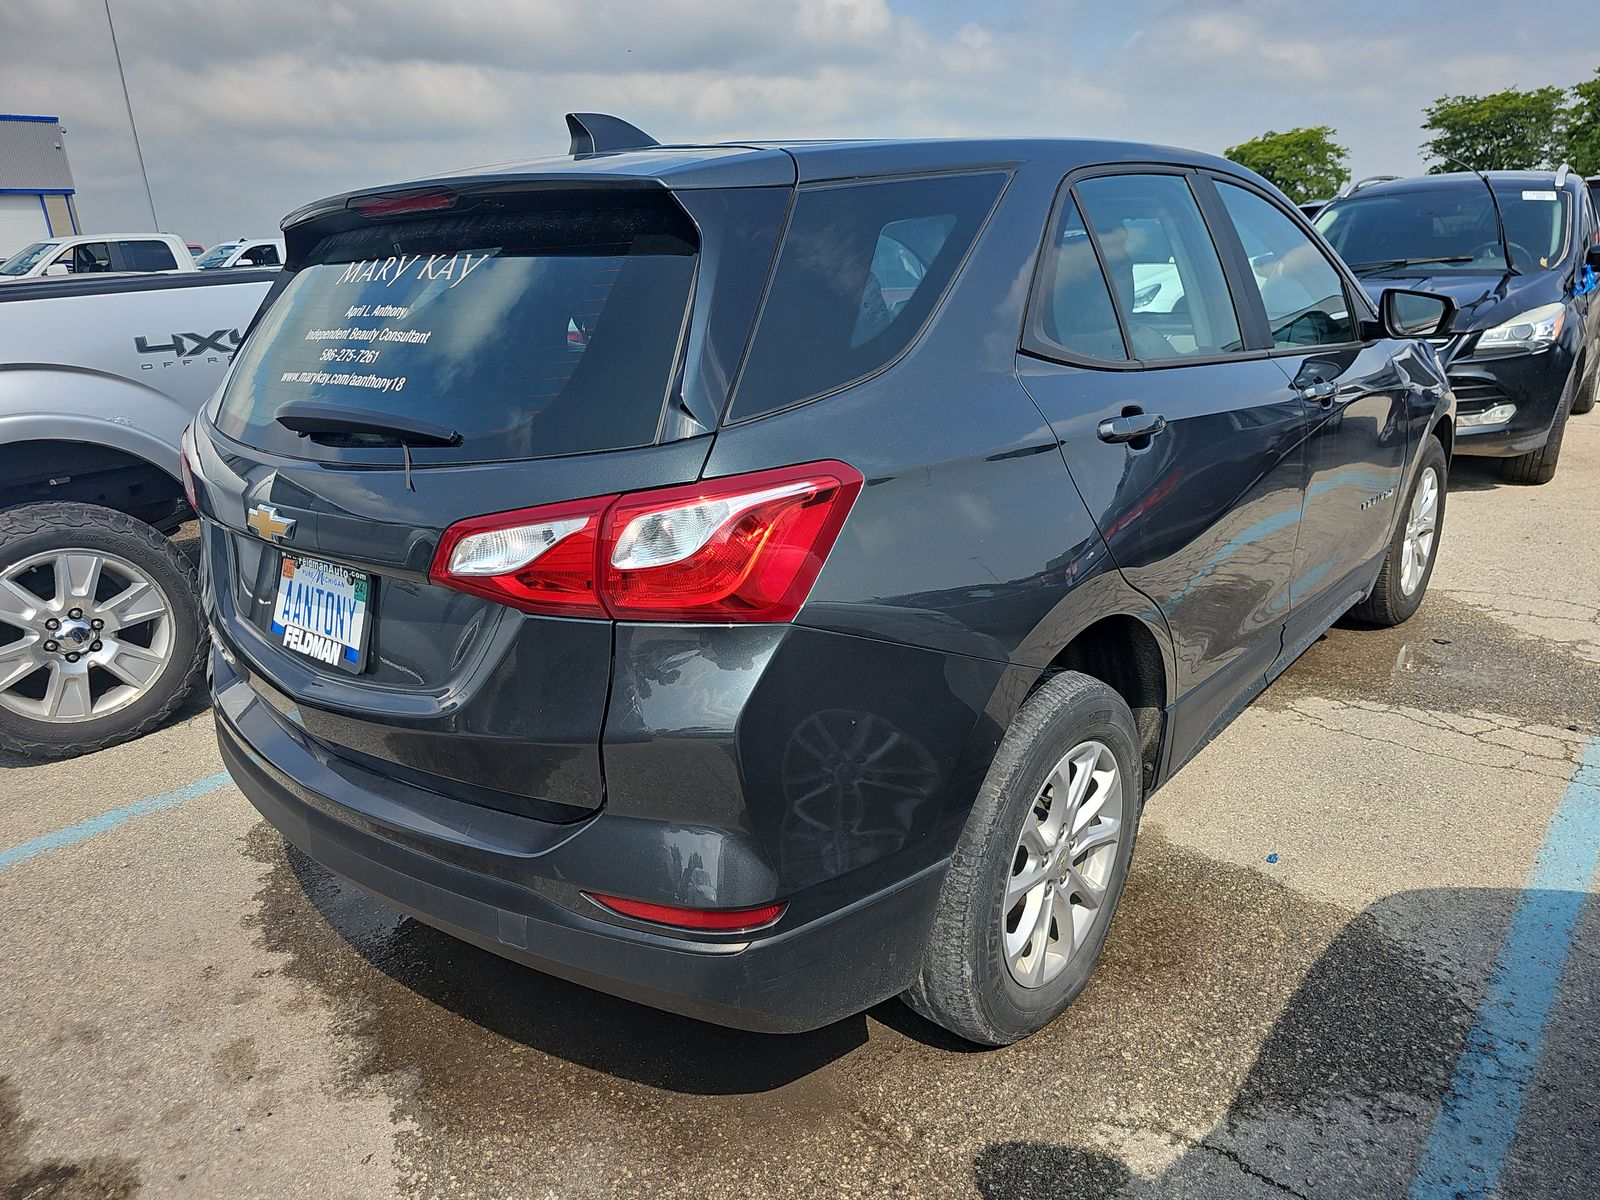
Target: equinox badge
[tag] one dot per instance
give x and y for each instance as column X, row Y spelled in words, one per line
column 265, row 522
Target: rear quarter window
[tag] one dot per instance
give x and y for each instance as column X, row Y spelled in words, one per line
column 861, row 269
column 529, row 334
column 147, row 256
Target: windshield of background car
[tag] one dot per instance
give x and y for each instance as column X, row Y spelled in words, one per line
column 529, row 334
column 216, row 256
column 24, row 260
column 1449, row 223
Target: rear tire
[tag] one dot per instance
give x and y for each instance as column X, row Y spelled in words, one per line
column 1401, row 583
column 1023, row 915
column 1539, row 466
column 136, row 648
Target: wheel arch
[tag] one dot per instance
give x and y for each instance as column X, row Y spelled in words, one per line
column 1131, row 655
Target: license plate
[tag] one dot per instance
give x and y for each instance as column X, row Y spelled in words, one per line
column 321, row 611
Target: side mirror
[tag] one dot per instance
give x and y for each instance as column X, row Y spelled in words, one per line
column 1415, row 314
column 58, row 269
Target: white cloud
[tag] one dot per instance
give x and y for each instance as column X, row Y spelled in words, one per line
column 247, row 112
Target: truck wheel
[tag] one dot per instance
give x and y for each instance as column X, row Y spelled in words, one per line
column 1039, row 868
column 1539, row 466
column 1403, row 580
column 100, row 634
column 1586, row 394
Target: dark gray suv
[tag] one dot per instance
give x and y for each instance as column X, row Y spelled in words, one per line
column 760, row 580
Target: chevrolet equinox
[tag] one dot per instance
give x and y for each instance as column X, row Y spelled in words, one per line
column 760, row 580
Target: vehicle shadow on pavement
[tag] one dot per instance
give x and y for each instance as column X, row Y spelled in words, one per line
column 604, row 1033
column 1240, row 1040
column 1342, row 1096
column 1473, row 474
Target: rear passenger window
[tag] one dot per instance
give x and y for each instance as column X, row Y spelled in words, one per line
column 861, row 269
column 1073, row 310
column 1303, row 294
column 1164, row 271
column 147, row 256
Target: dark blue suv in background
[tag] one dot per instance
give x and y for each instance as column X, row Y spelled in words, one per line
column 760, row 580
column 1516, row 251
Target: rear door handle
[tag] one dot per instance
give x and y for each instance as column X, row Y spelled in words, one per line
column 1321, row 392
column 1131, row 428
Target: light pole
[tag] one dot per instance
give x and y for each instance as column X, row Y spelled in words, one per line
column 128, row 104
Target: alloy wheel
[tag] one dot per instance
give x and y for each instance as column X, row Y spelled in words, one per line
column 1416, row 548
column 82, row 634
column 1062, row 864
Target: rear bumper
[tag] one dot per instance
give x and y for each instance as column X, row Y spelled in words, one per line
column 501, row 881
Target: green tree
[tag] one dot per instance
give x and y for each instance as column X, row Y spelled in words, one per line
column 1583, row 127
column 1504, row 131
column 1305, row 164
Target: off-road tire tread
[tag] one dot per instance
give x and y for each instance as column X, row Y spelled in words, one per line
column 944, row 991
column 65, row 516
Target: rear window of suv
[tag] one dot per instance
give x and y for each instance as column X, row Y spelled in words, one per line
column 862, row 268
column 529, row 334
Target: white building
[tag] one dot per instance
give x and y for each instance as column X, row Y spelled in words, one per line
column 36, row 192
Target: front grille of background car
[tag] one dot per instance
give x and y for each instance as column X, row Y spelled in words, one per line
column 1474, row 393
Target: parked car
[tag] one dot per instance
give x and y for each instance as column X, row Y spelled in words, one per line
column 100, row 630
column 811, row 628
column 242, row 252
column 98, row 253
column 1522, row 349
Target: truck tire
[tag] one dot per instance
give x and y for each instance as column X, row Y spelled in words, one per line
column 1413, row 547
column 100, row 631
column 1042, row 860
column 1539, row 466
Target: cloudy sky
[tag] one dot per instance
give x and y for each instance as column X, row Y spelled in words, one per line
column 248, row 108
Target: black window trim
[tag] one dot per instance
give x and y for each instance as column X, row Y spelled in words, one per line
column 1242, row 279
column 1007, row 171
column 1033, row 342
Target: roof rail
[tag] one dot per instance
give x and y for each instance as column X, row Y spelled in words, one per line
column 1351, row 189
column 597, row 133
column 1561, row 174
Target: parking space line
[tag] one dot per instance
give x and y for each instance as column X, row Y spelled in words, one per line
column 1472, row 1134
column 71, row 835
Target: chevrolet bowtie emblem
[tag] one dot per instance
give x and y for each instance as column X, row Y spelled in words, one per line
column 265, row 522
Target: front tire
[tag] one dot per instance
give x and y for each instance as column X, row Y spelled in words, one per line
column 1414, row 546
column 1539, row 466
column 1037, row 874
column 100, row 633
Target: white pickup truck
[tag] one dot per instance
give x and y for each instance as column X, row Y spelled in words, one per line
column 99, row 254
column 100, row 633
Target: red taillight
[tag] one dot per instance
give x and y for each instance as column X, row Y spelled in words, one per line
column 717, row 920
column 186, row 468
column 537, row 559
column 394, row 204
column 742, row 548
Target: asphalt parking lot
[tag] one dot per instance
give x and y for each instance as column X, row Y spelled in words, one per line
column 1343, row 967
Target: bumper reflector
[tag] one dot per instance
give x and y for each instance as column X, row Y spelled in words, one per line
column 1497, row 415
column 717, row 920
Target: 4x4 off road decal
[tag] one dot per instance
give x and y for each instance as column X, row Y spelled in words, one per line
column 189, row 347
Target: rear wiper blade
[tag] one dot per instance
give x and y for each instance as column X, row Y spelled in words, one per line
column 309, row 418
column 1389, row 264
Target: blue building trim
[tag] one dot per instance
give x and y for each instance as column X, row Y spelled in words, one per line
column 38, row 191
column 27, row 117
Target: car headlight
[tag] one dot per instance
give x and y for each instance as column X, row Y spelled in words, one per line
column 1536, row 329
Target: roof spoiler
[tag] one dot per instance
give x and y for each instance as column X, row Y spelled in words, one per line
column 597, row 133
